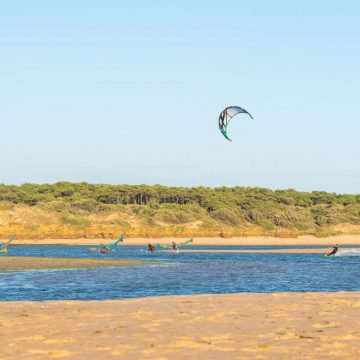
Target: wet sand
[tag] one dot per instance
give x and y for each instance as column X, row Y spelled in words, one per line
column 236, row 241
column 12, row 263
column 238, row 326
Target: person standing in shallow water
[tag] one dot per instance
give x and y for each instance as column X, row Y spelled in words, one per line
column 334, row 250
column 151, row 248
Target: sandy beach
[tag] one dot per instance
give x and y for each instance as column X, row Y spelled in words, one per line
column 13, row 263
column 237, row 326
column 213, row 241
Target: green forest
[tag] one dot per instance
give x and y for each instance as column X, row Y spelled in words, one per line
column 92, row 210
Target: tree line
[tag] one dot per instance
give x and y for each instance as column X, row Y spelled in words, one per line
column 234, row 206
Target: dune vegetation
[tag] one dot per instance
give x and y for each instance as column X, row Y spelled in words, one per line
column 82, row 210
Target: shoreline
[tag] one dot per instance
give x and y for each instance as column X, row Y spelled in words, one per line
column 342, row 240
column 216, row 326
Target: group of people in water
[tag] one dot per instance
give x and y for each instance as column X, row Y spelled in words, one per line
column 151, row 248
column 173, row 247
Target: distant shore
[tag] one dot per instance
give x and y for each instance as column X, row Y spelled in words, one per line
column 237, row 326
column 209, row 241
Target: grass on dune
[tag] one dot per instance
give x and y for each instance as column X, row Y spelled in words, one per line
column 75, row 210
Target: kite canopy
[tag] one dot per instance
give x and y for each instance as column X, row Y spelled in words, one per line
column 226, row 115
column 4, row 246
column 107, row 248
column 168, row 247
column 113, row 244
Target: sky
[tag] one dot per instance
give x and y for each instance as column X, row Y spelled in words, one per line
column 130, row 92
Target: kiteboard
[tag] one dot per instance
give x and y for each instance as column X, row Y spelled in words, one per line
column 329, row 255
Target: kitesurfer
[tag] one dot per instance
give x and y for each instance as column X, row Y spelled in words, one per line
column 103, row 249
column 151, row 248
column 174, row 246
column 334, row 250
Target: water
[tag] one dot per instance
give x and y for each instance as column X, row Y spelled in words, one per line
column 184, row 273
column 348, row 252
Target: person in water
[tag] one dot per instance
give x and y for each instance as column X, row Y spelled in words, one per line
column 151, row 248
column 174, row 246
column 334, row 250
column 103, row 249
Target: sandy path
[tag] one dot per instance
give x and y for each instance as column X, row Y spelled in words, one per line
column 256, row 240
column 238, row 326
column 12, row 263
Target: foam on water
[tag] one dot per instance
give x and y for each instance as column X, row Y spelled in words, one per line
column 348, row 252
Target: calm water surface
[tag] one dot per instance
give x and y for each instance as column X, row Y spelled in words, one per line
column 184, row 273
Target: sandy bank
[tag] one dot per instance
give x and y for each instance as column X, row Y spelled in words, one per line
column 12, row 263
column 239, row 326
column 259, row 240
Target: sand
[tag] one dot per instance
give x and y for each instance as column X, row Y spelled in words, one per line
column 238, row 326
column 12, row 263
column 256, row 240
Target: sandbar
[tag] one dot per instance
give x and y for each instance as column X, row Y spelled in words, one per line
column 14, row 263
column 208, row 241
column 237, row 326
column 264, row 251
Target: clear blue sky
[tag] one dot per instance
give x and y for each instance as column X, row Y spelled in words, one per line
column 130, row 92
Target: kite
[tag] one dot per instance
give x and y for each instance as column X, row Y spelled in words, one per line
column 106, row 248
column 4, row 246
column 226, row 115
column 169, row 247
